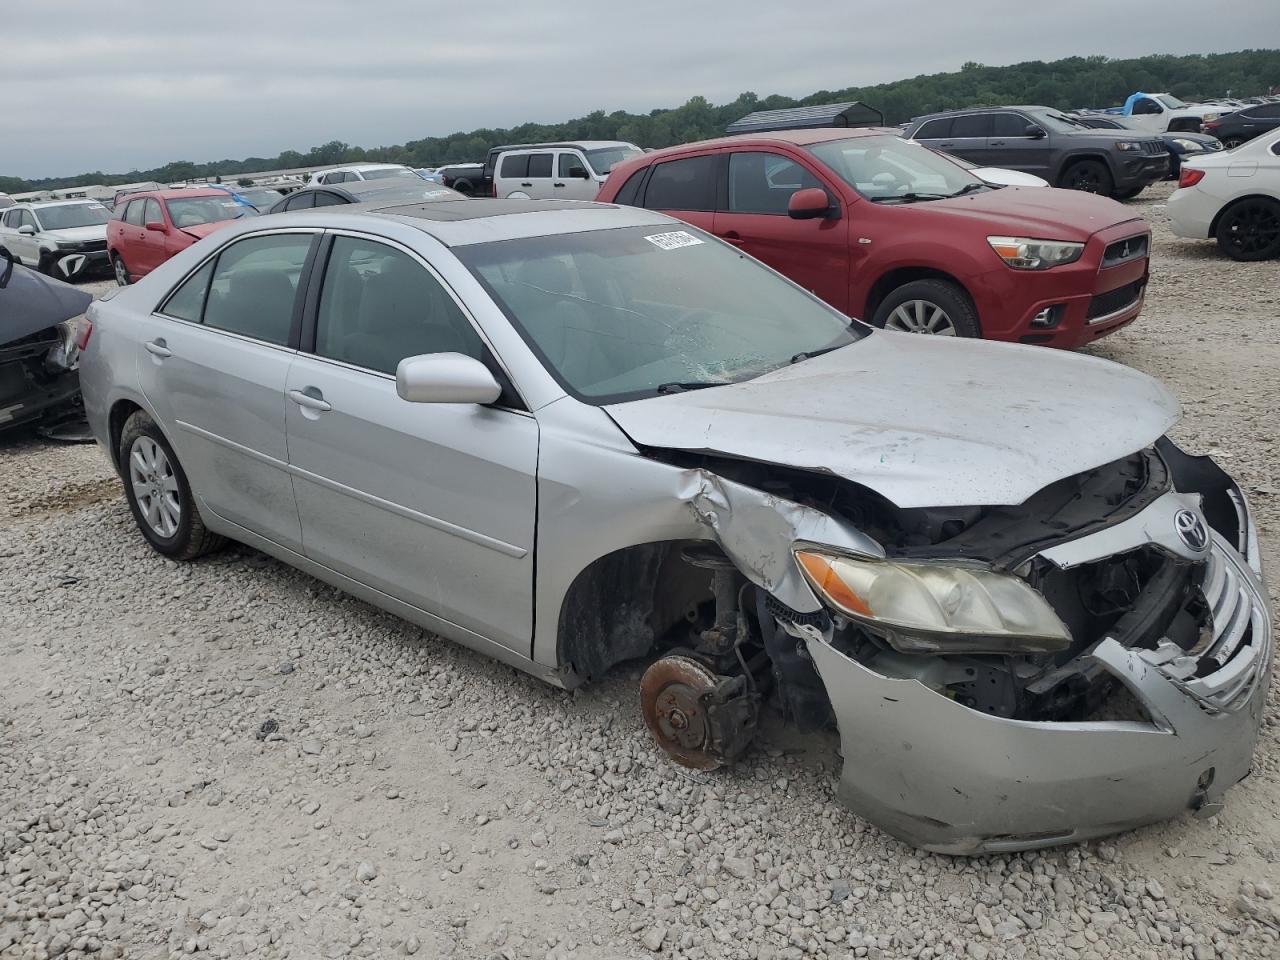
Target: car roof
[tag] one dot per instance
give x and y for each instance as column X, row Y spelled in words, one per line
column 969, row 110
column 68, row 201
column 796, row 137
column 457, row 223
column 186, row 192
column 580, row 144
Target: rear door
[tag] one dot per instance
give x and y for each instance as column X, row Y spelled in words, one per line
column 512, row 174
column 687, row 188
column 213, row 361
column 753, row 216
column 430, row 503
column 969, row 135
column 150, row 245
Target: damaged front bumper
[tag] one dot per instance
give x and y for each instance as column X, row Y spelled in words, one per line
column 951, row 779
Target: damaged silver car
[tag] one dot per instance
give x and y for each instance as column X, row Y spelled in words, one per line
column 571, row 435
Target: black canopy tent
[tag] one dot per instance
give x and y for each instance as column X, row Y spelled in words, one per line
column 852, row 114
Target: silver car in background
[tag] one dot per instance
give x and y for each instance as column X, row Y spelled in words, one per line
column 570, row 435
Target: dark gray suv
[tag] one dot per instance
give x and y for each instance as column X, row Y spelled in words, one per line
column 1049, row 144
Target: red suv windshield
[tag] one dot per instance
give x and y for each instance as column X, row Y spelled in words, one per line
column 891, row 169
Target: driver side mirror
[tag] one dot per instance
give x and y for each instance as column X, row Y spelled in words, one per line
column 445, row 378
column 155, row 225
column 811, row 203
column 27, row 230
column 579, row 173
column 1035, row 132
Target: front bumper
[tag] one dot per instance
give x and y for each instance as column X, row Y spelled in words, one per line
column 73, row 264
column 950, row 779
column 1141, row 170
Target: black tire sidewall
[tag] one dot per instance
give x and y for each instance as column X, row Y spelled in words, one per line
column 945, row 294
column 138, row 425
column 1106, row 184
column 1224, row 242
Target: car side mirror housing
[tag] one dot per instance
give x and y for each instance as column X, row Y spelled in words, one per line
column 1035, row 132
column 579, row 173
column 445, row 378
column 811, row 203
column 27, row 230
column 155, row 225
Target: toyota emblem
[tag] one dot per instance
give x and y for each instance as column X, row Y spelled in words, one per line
column 1191, row 530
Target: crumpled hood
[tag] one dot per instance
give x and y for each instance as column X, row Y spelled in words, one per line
column 202, row 230
column 80, row 234
column 924, row 421
column 1035, row 212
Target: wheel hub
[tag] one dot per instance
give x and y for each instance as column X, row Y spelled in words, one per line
column 703, row 720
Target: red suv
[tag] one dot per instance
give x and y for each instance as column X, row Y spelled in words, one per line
column 893, row 232
column 147, row 229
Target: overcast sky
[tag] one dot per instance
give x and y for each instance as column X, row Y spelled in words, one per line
column 92, row 85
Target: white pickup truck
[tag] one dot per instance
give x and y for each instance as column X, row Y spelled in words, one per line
column 1165, row 113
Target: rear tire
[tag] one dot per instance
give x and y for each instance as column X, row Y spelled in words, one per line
column 1249, row 230
column 464, row 187
column 121, row 271
column 1127, row 194
column 937, row 307
column 1090, row 176
column 158, row 492
column 1231, row 142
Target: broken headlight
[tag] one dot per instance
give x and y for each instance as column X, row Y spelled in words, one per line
column 937, row 608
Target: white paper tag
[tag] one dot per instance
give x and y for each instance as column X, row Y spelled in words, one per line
column 674, row 240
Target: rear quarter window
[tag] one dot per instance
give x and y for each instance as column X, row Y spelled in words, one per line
column 514, row 165
column 938, row 129
column 629, row 195
column 685, row 184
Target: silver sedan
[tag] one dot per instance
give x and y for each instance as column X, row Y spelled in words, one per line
column 569, row 435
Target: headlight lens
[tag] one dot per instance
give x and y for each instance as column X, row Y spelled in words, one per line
column 1023, row 253
column 1128, row 145
column 937, row 608
column 1187, row 144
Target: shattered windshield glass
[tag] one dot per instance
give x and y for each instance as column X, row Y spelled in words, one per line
column 626, row 313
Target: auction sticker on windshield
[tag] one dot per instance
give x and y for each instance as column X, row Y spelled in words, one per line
column 674, row 240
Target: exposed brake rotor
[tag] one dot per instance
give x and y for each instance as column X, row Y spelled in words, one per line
column 673, row 696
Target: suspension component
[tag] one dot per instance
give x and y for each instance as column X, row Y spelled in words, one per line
column 702, row 719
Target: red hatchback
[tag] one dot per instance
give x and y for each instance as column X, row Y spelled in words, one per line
column 890, row 231
column 146, row 229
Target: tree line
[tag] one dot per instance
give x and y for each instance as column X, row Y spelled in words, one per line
column 1094, row 81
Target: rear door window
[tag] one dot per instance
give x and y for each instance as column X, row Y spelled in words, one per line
column 133, row 215
column 540, row 165
column 971, row 126
column 254, row 286
column 514, row 166
column 685, row 184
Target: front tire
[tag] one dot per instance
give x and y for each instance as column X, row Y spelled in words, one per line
column 1090, row 176
column 1250, row 230
column 121, row 271
column 158, row 493
column 936, row 307
column 1127, row 194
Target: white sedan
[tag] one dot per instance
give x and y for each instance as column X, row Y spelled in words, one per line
column 1232, row 197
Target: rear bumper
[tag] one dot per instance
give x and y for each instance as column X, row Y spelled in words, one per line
column 950, row 779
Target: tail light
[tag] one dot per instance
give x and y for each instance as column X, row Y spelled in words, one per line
column 1211, row 124
column 493, row 189
column 1189, row 177
column 83, row 333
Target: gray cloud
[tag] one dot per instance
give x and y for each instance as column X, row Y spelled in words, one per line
column 157, row 81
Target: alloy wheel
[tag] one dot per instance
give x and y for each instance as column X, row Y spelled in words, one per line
column 122, row 272
column 1253, row 228
column 920, row 316
column 155, row 486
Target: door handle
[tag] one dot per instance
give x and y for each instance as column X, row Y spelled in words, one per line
column 732, row 236
column 557, row 184
column 526, row 184
column 310, row 401
column 997, row 143
column 157, row 348
column 949, row 143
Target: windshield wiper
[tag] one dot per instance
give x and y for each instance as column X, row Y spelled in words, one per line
column 969, row 188
column 911, row 197
column 810, row 354
column 678, row 386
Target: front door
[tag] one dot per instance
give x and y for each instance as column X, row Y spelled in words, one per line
column 25, row 246
column 213, row 363
column 812, row 253
column 150, row 243
column 1011, row 146
column 432, row 504
column 573, row 177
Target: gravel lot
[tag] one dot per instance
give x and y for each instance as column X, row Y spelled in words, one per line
column 417, row 799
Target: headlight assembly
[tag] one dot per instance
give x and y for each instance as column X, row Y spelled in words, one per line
column 1187, row 144
column 1023, row 253
column 1130, row 146
column 936, row 607
column 69, row 244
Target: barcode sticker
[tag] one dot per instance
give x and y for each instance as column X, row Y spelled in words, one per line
column 674, row 240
